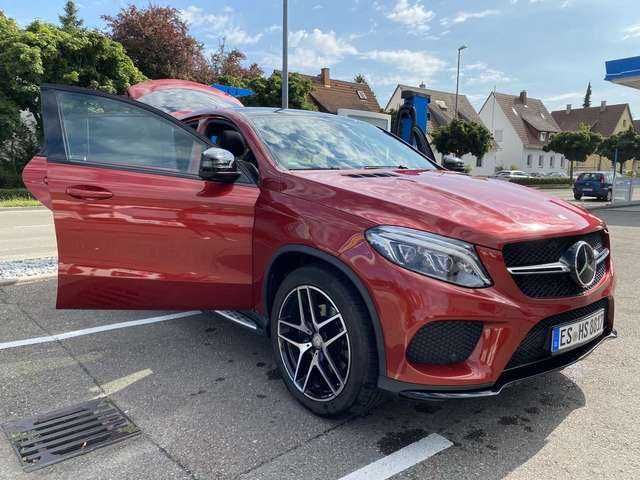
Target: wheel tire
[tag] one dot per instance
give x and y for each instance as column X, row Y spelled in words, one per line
column 577, row 196
column 359, row 392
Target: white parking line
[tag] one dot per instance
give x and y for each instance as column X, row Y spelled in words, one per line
column 402, row 459
column 102, row 328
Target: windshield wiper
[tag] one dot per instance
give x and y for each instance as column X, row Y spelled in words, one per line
column 399, row 167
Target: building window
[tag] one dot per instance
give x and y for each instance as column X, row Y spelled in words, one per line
column 543, row 136
column 529, row 160
column 624, row 123
column 478, row 162
column 551, row 161
column 497, row 135
column 361, row 95
column 541, row 161
column 561, row 162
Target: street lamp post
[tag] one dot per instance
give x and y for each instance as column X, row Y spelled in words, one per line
column 462, row 47
column 285, row 66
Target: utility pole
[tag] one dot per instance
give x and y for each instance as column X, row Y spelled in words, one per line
column 462, row 47
column 285, row 54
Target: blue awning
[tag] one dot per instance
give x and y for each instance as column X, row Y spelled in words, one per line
column 234, row 91
column 624, row 71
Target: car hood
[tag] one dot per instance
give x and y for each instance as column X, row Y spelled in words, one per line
column 479, row 210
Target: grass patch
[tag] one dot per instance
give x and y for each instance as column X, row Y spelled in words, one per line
column 17, row 197
column 19, row 202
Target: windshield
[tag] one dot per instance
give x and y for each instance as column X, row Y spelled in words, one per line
column 310, row 142
column 177, row 99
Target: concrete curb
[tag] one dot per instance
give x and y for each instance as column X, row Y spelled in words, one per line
column 23, row 280
column 634, row 203
column 22, row 209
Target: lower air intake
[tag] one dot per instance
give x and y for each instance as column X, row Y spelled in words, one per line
column 444, row 342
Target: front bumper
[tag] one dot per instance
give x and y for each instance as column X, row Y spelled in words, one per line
column 509, row 377
column 406, row 302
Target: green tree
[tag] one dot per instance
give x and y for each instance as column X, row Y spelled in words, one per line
column 626, row 144
column 460, row 137
column 227, row 69
column 45, row 53
column 69, row 20
column 587, row 97
column 359, row 78
column 157, row 40
column 268, row 91
column 575, row 146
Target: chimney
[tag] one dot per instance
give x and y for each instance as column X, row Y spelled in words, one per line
column 568, row 108
column 324, row 77
column 603, row 105
column 523, row 97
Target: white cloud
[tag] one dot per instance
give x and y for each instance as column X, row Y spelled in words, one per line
column 563, row 3
column 317, row 7
column 480, row 72
column 311, row 50
column 218, row 25
column 563, row 96
column 632, row 31
column 413, row 15
column 408, row 67
column 462, row 17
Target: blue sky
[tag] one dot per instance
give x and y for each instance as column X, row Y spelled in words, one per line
column 551, row 48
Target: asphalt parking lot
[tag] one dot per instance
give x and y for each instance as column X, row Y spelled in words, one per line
column 210, row 405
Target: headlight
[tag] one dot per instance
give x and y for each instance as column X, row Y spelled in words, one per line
column 439, row 257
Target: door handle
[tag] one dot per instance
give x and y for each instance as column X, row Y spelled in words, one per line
column 88, row 192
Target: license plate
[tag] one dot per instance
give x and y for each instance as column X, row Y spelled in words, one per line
column 571, row 335
column 587, row 189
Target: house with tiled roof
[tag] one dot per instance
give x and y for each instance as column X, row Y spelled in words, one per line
column 330, row 95
column 442, row 107
column 605, row 119
column 521, row 127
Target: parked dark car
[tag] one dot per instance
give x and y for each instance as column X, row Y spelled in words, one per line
column 594, row 184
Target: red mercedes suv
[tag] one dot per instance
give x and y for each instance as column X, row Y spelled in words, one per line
column 370, row 267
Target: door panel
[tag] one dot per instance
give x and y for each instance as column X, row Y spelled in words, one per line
column 134, row 236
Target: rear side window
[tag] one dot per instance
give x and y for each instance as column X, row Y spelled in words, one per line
column 590, row 176
column 172, row 100
column 99, row 130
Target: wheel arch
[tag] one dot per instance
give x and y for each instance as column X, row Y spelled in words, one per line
column 281, row 263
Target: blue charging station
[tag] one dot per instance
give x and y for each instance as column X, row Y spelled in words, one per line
column 412, row 121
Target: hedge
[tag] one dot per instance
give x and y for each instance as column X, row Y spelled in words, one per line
column 10, row 193
column 543, row 181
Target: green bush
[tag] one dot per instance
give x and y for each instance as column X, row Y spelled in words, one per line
column 13, row 193
column 543, row 181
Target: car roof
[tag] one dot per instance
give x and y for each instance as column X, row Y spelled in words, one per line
column 255, row 111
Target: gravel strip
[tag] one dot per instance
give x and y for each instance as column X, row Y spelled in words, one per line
column 28, row 268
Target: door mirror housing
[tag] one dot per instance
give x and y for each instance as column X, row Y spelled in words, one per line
column 218, row 164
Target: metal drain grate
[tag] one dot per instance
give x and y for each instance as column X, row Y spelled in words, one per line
column 56, row 436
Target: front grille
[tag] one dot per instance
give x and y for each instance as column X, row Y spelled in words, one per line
column 444, row 342
column 538, row 252
column 47, row 439
column 536, row 345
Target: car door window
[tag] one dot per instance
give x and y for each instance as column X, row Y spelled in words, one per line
column 105, row 131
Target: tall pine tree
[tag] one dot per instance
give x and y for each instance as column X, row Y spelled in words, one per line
column 587, row 97
column 70, row 18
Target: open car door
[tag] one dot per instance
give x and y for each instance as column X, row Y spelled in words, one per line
column 136, row 227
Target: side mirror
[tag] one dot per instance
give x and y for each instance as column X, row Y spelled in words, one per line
column 218, row 164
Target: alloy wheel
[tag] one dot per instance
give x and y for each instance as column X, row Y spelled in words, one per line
column 314, row 343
